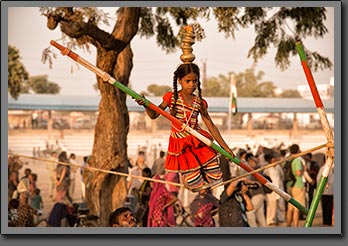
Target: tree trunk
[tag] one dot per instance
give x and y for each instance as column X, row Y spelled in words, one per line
column 107, row 192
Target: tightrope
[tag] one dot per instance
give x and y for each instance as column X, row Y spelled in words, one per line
column 99, row 170
column 272, row 165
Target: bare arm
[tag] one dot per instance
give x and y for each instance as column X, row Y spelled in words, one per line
column 213, row 129
column 231, row 188
column 62, row 176
column 151, row 113
column 170, row 203
column 249, row 205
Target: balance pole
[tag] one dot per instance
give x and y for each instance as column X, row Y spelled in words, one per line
column 328, row 133
column 107, row 78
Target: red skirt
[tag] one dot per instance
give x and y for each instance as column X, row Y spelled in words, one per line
column 187, row 153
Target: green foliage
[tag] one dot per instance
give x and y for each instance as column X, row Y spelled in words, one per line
column 158, row 90
column 17, row 74
column 274, row 31
column 217, row 87
column 40, row 84
column 278, row 27
column 19, row 81
column 249, row 84
column 158, row 21
column 290, row 93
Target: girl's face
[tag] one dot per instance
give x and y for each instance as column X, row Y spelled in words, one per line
column 189, row 83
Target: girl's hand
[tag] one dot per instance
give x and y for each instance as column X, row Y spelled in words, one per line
column 141, row 101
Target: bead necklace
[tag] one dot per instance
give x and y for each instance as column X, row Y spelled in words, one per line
column 183, row 107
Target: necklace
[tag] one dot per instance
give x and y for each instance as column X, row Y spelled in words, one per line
column 183, row 108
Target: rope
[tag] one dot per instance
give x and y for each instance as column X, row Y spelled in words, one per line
column 271, row 165
column 99, row 170
column 328, row 145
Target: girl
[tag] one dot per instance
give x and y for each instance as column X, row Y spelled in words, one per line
column 197, row 162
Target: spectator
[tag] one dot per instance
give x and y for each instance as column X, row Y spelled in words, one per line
column 13, row 211
column 234, row 203
column 13, row 181
column 298, row 189
column 175, row 178
column 158, row 165
column 82, row 172
column 26, row 183
column 161, row 211
column 37, row 203
column 327, row 198
column 312, row 169
column 27, row 172
column 51, row 167
column 144, row 197
column 275, row 211
column 62, row 179
column 58, row 215
column 72, row 177
column 238, row 170
column 32, row 183
column 135, row 183
column 122, row 217
column 14, row 163
column 25, row 211
column 256, row 217
column 203, row 208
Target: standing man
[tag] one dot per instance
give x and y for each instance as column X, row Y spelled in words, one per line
column 158, row 165
column 234, row 202
column 275, row 205
column 51, row 167
column 135, row 183
column 312, row 169
column 298, row 189
column 327, row 198
column 72, row 178
column 82, row 171
column 256, row 217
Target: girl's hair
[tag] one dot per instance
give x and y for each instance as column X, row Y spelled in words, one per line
column 181, row 71
column 63, row 156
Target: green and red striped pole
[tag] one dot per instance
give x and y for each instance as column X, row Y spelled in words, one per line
column 326, row 127
column 106, row 77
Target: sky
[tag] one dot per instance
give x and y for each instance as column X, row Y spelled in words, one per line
column 27, row 31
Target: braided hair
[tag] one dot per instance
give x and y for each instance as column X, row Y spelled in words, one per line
column 179, row 73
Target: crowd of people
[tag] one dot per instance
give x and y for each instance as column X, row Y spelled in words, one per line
column 242, row 203
column 25, row 201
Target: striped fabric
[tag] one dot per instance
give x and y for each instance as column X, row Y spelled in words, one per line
column 197, row 162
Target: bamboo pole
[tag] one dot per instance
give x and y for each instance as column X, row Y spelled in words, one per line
column 107, row 78
column 326, row 127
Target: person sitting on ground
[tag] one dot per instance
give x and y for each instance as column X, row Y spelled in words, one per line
column 122, row 217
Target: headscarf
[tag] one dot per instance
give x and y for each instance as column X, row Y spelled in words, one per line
column 159, row 197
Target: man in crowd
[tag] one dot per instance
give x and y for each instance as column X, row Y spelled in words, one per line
column 122, row 217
